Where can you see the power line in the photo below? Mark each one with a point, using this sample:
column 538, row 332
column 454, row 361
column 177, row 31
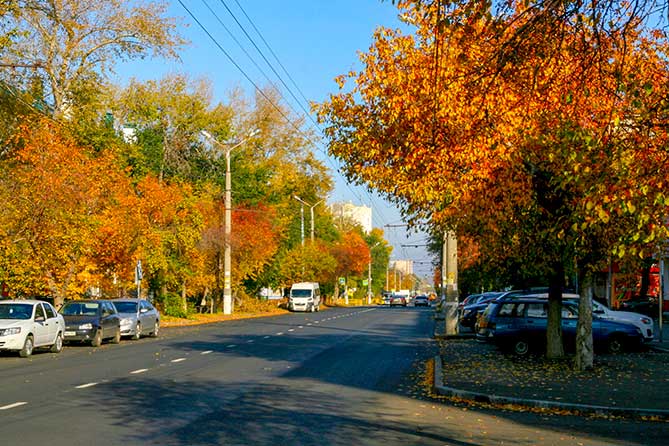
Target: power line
column 262, row 93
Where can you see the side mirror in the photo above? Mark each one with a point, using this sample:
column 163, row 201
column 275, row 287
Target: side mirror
column 143, row 310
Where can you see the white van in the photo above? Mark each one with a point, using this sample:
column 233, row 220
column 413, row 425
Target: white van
column 304, row 296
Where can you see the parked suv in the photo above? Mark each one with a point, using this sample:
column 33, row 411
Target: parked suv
column 91, row 321
column 519, row 324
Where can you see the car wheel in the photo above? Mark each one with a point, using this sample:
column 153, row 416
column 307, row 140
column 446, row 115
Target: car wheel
column 28, row 346
column 117, row 337
column 154, row 333
column 57, row 345
column 138, row 332
column 616, row 344
column 521, row 347
column 97, row 339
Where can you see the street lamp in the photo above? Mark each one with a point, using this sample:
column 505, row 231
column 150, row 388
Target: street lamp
column 227, row 256
column 311, row 211
column 369, row 274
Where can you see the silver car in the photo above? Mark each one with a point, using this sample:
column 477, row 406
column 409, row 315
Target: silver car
column 138, row 317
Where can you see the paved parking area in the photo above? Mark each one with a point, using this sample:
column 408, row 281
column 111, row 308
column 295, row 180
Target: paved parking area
column 637, row 379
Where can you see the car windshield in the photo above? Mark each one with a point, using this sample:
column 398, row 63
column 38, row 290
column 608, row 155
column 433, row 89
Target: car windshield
column 16, row 311
column 300, row 293
column 126, row 307
column 80, row 309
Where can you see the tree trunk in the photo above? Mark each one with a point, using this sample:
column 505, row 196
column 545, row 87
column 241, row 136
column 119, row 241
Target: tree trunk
column 184, row 303
column 584, row 348
column 554, row 346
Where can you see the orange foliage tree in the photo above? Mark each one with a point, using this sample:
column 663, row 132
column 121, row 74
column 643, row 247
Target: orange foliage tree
column 53, row 193
column 534, row 156
column 352, row 256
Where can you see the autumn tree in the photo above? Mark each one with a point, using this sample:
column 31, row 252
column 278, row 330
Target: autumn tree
column 53, row 193
column 71, row 45
column 352, row 256
column 514, row 153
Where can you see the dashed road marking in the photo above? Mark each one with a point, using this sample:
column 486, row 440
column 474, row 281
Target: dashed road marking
column 13, row 405
column 250, row 341
column 279, row 333
column 135, row 372
column 206, row 352
column 83, row 386
column 178, row 360
column 309, row 324
column 300, row 326
column 291, row 329
column 232, row 346
column 266, row 337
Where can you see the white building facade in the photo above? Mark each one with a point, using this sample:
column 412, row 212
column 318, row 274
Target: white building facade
column 361, row 215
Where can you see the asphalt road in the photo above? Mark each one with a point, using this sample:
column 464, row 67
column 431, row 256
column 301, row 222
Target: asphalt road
column 339, row 377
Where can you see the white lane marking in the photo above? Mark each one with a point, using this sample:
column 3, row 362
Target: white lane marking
column 11, row 406
column 279, row 333
column 266, row 337
column 315, row 322
column 232, row 346
column 250, row 341
column 83, row 386
column 135, row 372
column 291, row 329
column 206, row 352
column 300, row 326
column 178, row 360
column 309, row 324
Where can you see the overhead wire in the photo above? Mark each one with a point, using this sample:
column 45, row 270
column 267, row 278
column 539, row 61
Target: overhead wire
column 306, row 112
column 248, row 78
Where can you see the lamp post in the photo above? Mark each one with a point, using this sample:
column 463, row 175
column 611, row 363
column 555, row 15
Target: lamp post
column 302, row 203
column 227, row 255
column 369, row 274
column 311, row 212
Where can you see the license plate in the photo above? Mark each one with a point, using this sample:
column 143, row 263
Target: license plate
column 70, row 333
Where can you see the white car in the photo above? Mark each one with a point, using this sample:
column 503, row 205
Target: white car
column 643, row 322
column 29, row 324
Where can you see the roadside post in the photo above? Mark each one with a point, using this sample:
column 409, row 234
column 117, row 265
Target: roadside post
column 138, row 277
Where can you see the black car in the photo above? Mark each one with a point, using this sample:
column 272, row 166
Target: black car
column 91, row 321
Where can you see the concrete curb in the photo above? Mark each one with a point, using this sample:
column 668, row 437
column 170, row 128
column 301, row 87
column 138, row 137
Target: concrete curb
column 440, row 389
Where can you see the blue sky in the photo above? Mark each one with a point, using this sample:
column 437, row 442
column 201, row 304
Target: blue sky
column 315, row 40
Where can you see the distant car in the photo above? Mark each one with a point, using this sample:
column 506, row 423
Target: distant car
column 386, row 299
column 421, row 301
column 397, row 300
column 138, row 317
column 29, row 324
column 519, row 324
column 91, row 321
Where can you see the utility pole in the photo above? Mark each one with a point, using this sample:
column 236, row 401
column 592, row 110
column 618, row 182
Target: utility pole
column 227, row 255
column 449, row 281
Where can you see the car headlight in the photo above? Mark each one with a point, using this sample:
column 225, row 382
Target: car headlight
column 10, row 331
column 86, row 327
column 645, row 320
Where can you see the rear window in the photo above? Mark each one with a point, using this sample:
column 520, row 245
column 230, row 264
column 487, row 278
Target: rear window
column 512, row 309
column 490, row 309
column 126, row 307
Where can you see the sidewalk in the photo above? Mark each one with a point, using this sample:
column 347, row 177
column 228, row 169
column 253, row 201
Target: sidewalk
column 633, row 383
